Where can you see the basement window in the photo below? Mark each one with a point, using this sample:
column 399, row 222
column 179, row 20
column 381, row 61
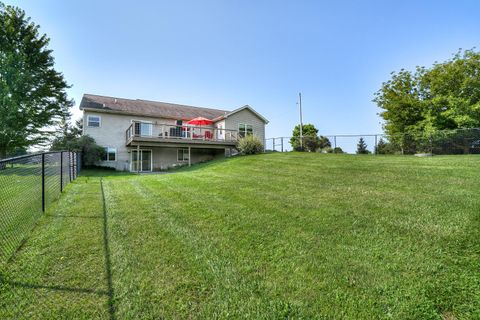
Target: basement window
column 182, row 155
column 110, row 154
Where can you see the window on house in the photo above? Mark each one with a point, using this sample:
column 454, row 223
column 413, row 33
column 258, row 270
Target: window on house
column 182, row 155
column 93, row 121
column 177, row 131
column 110, row 154
column 245, row 129
column 143, row 128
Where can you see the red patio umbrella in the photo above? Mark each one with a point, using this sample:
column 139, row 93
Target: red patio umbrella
column 200, row 121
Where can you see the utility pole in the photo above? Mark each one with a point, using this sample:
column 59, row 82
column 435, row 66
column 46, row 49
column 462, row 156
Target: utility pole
column 301, row 120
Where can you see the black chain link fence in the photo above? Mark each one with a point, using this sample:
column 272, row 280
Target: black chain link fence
column 41, row 274
column 447, row 142
column 28, row 186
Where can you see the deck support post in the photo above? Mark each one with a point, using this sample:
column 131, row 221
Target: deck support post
column 189, row 157
column 138, row 158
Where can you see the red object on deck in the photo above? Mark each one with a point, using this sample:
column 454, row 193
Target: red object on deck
column 200, row 121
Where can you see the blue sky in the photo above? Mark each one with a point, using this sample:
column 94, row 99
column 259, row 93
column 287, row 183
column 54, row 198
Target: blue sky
column 227, row 54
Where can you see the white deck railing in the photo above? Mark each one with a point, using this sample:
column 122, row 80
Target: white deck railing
column 186, row 132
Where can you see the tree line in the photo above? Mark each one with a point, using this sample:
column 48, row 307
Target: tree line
column 435, row 109
column 310, row 141
column 34, row 106
column 433, row 104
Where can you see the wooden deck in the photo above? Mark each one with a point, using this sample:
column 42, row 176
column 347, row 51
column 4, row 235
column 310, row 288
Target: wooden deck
column 178, row 142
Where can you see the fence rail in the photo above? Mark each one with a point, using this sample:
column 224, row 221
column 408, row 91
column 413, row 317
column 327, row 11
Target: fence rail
column 460, row 141
column 28, row 186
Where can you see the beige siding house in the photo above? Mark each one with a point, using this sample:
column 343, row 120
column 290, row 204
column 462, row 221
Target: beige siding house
column 143, row 136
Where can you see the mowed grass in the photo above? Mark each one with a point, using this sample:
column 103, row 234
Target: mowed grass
column 59, row 272
column 270, row 236
column 21, row 201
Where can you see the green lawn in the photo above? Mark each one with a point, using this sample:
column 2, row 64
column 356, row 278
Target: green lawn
column 21, row 201
column 271, row 236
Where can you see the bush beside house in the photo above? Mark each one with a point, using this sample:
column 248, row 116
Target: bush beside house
column 71, row 138
column 250, row 145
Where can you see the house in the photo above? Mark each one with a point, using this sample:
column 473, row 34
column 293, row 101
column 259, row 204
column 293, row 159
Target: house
column 141, row 135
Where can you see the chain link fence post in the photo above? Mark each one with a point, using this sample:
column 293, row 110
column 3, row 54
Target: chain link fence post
column 70, row 166
column 43, row 182
column 61, row 171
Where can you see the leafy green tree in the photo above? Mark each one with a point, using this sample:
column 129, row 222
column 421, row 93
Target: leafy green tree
column 310, row 140
column 311, row 143
column 456, row 142
column 70, row 138
column 17, row 152
column 324, row 142
column 32, row 93
column 338, row 150
column 90, row 151
column 417, row 104
column 333, row 150
column 362, row 147
column 67, row 136
column 384, row 147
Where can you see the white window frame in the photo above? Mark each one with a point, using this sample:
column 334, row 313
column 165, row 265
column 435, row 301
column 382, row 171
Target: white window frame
column 107, row 154
column 244, row 131
column 144, row 121
column 99, row 121
column 184, row 151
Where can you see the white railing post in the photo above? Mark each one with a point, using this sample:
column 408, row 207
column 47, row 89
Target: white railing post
column 164, row 131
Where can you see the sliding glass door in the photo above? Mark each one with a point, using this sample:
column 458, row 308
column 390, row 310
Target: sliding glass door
column 142, row 161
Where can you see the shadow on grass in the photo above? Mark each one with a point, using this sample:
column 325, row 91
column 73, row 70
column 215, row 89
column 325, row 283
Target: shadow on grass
column 99, row 172
column 103, row 173
column 108, row 264
column 56, row 288
column 5, row 279
column 74, row 216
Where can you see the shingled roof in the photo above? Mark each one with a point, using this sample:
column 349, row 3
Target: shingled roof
column 147, row 108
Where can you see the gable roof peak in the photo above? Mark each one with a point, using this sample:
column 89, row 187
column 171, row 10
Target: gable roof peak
column 251, row 110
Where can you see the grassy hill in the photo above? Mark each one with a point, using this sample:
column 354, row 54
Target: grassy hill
column 268, row 236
